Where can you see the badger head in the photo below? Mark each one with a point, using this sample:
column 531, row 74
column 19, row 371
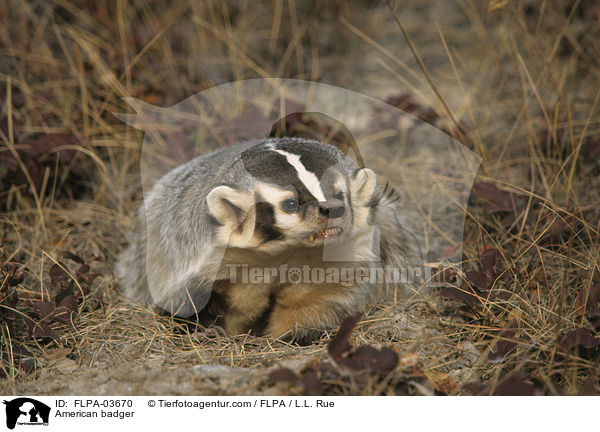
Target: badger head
column 303, row 194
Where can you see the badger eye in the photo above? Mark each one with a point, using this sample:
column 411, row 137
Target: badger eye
column 339, row 195
column 290, row 205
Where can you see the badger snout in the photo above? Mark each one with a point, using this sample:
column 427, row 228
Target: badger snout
column 332, row 209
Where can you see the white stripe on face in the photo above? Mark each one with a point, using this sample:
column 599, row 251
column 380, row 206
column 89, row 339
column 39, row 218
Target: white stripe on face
column 309, row 179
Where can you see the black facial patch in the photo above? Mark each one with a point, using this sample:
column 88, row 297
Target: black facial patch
column 265, row 221
column 265, row 164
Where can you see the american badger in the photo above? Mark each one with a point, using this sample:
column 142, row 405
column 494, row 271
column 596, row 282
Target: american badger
column 271, row 228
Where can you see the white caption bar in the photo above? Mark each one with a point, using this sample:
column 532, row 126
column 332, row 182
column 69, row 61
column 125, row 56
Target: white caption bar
column 90, row 413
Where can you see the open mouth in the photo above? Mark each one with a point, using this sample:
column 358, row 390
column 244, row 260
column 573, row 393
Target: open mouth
column 323, row 234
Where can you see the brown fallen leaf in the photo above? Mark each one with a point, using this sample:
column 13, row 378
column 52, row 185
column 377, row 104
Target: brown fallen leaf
column 590, row 150
column 82, row 271
column 17, row 277
column 283, row 375
column 340, row 342
column 479, row 279
column 587, row 300
column 506, row 344
column 66, row 308
column 578, row 337
column 369, row 358
column 310, row 382
column 40, row 330
column 516, row 384
column 57, row 275
column 466, row 295
column 488, row 262
column 494, row 199
column 73, row 257
column 44, row 308
column 588, row 388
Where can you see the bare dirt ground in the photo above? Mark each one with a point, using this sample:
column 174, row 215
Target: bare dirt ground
column 517, row 82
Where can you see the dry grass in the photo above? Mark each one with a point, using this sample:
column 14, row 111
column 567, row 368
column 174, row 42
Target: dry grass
column 524, row 77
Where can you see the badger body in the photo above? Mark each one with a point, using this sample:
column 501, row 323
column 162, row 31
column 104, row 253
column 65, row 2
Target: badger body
column 270, row 207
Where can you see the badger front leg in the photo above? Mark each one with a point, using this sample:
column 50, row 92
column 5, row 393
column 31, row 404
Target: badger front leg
column 303, row 312
column 245, row 304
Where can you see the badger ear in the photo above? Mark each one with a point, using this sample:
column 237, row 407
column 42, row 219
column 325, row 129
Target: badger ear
column 229, row 206
column 363, row 185
column 235, row 211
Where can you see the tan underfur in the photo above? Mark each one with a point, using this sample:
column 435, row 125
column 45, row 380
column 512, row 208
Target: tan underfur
column 245, row 304
column 298, row 307
column 301, row 308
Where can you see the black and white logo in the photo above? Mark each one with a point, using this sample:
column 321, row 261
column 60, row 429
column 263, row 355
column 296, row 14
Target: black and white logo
column 26, row 411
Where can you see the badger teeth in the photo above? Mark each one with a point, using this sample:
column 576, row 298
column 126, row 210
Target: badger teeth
column 328, row 232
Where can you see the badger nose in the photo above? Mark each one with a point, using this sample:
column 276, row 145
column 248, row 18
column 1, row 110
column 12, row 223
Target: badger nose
column 331, row 212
